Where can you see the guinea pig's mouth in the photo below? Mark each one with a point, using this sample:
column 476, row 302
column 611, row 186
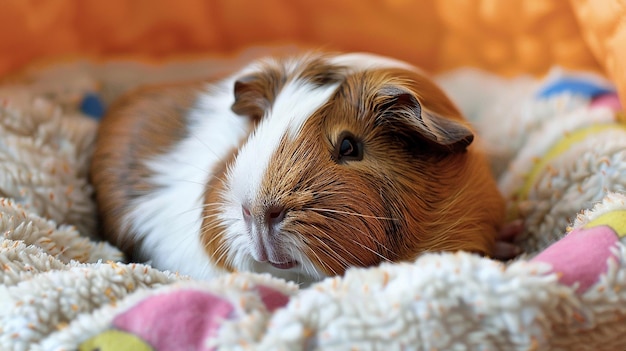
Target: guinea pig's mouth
column 284, row 265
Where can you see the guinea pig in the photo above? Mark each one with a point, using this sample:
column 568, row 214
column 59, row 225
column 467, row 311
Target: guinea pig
column 298, row 166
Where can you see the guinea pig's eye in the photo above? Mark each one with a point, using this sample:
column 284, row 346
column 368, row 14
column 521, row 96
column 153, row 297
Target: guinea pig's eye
column 348, row 148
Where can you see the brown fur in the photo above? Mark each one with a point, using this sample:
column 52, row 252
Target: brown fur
column 410, row 194
column 212, row 229
column 254, row 94
column 420, row 186
column 140, row 125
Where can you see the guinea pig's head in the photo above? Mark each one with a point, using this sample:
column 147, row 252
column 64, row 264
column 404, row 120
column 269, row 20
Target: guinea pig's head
column 353, row 160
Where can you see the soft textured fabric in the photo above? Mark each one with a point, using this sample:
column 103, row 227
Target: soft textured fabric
column 63, row 291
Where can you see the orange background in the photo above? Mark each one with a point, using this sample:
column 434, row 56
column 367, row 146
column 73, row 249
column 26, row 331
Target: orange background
column 504, row 36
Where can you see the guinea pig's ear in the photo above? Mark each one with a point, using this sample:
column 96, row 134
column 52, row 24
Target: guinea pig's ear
column 255, row 93
column 437, row 130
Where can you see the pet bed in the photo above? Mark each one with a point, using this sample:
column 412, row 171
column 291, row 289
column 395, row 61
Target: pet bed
column 64, row 289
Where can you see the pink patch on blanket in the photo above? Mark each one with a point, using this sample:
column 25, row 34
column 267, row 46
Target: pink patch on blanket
column 272, row 298
column 607, row 100
column 178, row 320
column 581, row 256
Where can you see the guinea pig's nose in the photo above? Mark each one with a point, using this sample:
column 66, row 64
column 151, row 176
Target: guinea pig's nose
column 274, row 214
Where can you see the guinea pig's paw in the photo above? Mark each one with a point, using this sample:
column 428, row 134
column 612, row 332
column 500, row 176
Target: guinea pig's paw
column 506, row 247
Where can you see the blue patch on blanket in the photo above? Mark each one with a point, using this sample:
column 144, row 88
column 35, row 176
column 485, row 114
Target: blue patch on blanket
column 581, row 86
column 92, row 105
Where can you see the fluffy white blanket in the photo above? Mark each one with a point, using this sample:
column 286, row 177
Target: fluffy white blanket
column 62, row 289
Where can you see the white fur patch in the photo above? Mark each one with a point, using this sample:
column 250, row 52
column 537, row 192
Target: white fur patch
column 172, row 215
column 357, row 62
column 295, row 103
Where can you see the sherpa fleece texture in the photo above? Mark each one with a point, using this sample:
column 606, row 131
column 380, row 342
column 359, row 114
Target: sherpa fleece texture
column 63, row 289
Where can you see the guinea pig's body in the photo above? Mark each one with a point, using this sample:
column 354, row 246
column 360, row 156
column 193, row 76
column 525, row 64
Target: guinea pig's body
column 300, row 167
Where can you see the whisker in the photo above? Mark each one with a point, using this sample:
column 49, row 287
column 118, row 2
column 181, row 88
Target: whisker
column 364, row 233
column 192, row 210
column 223, row 249
column 352, row 214
column 370, row 250
column 324, row 265
column 188, row 181
column 344, row 261
column 333, row 254
column 210, row 216
column 201, row 207
column 370, row 236
column 209, row 228
column 195, row 135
